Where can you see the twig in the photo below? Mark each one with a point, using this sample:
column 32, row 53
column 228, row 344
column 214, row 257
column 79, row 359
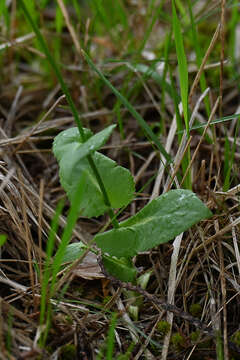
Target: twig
column 205, row 329
column 154, row 299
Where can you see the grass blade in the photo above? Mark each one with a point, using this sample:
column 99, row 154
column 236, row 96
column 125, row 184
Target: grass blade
column 72, row 106
column 111, row 336
column 214, row 122
column 196, row 44
column 183, row 76
column 54, row 66
column 130, row 108
column 45, row 305
column 3, row 239
column 71, row 221
column 182, row 63
column 52, row 270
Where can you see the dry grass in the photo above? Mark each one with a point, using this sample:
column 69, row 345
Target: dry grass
column 194, row 282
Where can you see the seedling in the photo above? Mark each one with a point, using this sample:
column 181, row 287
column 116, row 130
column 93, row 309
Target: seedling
column 158, row 222
column 107, row 186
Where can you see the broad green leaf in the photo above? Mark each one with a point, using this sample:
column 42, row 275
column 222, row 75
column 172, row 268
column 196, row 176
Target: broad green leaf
column 71, row 154
column 158, row 222
column 73, row 252
column 68, row 147
column 117, row 180
column 123, row 269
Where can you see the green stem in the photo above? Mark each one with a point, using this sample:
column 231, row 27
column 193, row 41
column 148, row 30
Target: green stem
column 72, row 106
column 102, row 187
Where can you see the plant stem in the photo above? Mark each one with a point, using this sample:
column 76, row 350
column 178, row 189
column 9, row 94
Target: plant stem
column 102, row 187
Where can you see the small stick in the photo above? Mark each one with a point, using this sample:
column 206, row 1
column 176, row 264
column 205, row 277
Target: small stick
column 207, row 330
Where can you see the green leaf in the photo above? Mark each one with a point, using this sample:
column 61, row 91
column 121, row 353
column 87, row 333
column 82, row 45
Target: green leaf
column 67, row 146
column 143, row 280
column 73, row 252
column 71, row 154
column 117, row 180
column 123, row 269
column 158, row 222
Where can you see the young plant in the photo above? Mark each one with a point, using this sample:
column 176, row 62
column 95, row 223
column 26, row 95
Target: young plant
column 109, row 186
column 158, row 222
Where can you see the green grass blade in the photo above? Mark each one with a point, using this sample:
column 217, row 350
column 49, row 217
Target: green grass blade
column 77, row 8
column 111, row 337
column 233, row 21
column 183, row 77
column 176, row 107
column 71, row 104
column 43, row 3
column 5, row 13
column 31, row 8
column 167, row 45
column 3, row 239
column 52, row 270
column 219, row 346
column 45, row 304
column 180, row 7
column 229, row 159
column 101, row 12
column 54, row 66
column 66, row 237
column 151, row 72
column 156, row 13
column 47, row 268
column 59, row 26
column 195, row 41
column 182, row 63
column 217, row 121
column 130, row 108
column 227, row 164
column 107, row 14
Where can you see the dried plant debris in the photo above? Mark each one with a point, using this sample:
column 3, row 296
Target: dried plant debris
column 184, row 300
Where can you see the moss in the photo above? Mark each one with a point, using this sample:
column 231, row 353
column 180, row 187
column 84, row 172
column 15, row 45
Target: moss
column 163, row 327
column 68, row 352
column 106, row 299
column 49, row 349
column 236, row 338
column 194, row 336
column 78, row 291
column 177, row 340
column 155, row 350
column 207, row 344
column 69, row 319
column 196, row 310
